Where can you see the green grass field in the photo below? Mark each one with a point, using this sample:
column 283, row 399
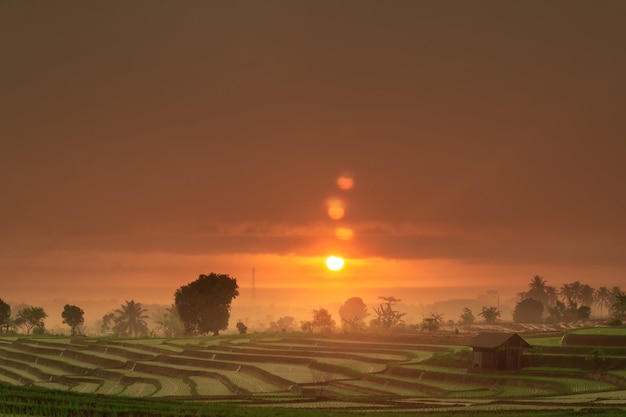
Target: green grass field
column 608, row 331
column 196, row 376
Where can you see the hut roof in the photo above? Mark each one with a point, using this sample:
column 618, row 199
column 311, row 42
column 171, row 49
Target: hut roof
column 491, row 340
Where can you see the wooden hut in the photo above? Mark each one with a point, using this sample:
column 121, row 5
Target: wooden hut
column 499, row 351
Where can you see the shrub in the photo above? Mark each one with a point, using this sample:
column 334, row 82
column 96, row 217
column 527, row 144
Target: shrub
column 615, row 322
column 596, row 359
column 241, row 327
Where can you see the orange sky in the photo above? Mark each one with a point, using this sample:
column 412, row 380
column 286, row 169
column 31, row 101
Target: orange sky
column 143, row 144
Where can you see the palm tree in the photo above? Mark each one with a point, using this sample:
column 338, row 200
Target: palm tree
column 586, row 295
column 537, row 284
column 170, row 324
column 537, row 289
column 432, row 323
column 569, row 295
column 490, row 314
column 615, row 292
column 578, row 294
column 552, row 296
column 602, row 297
column 618, row 305
column 130, row 320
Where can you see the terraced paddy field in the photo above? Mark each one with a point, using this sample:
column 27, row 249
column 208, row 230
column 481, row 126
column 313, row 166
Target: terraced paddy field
column 292, row 373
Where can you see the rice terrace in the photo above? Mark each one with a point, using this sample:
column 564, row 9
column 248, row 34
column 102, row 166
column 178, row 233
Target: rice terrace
column 580, row 371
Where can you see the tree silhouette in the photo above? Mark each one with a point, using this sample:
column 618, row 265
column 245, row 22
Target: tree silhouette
column 31, row 318
column 107, row 323
column 11, row 325
column 322, row 321
column 528, row 311
column 241, row 327
column 490, row 314
column 432, row 323
column 602, row 297
column 170, row 324
column 5, row 315
column 467, row 318
column 586, row 295
column 568, row 294
column 130, row 320
column 615, row 294
column 386, row 316
column 575, row 294
column 283, row 324
column 306, row 326
column 558, row 312
column 553, row 296
column 73, row 316
column 618, row 307
column 540, row 290
column 353, row 313
column 204, row 304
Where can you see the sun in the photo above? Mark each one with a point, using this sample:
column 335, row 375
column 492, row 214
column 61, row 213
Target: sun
column 334, row 263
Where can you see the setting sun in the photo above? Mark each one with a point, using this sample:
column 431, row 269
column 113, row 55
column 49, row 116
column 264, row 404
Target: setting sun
column 334, row 263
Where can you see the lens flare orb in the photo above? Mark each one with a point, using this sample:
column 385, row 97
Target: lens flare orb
column 344, row 233
column 345, row 182
column 336, row 208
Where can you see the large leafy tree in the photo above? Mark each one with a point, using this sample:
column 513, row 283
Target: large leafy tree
column 353, row 313
column 528, row 310
column 5, row 315
column 204, row 304
column 130, row 320
column 107, row 323
column 74, row 317
column 31, row 318
column 322, row 321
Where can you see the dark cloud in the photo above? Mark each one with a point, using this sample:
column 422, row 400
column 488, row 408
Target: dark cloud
column 480, row 132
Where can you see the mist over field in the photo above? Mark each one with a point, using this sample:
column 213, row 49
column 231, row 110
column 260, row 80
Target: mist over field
column 259, row 307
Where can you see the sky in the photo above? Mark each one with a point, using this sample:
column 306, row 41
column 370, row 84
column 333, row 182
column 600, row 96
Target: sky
column 144, row 143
